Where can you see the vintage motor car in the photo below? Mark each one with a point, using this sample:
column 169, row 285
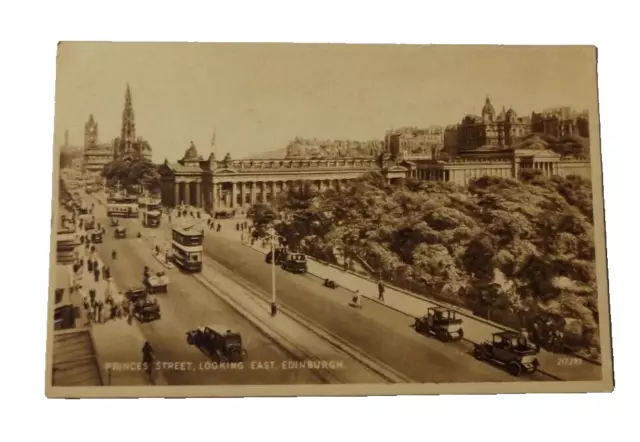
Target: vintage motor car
column 440, row 322
column 511, row 350
column 96, row 237
column 330, row 283
column 156, row 283
column 88, row 221
column 120, row 232
column 135, row 294
column 280, row 254
column 295, row 263
column 146, row 310
column 218, row 341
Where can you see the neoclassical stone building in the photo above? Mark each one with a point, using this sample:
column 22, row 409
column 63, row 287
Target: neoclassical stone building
column 237, row 184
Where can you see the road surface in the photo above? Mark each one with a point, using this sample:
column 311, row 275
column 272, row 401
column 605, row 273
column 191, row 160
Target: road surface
column 187, row 305
column 382, row 333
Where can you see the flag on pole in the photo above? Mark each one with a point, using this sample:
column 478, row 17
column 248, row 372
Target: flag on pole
column 213, row 142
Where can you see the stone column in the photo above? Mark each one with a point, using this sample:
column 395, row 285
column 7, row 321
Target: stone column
column 217, row 196
column 253, row 192
column 198, row 195
column 234, row 195
column 187, row 193
column 242, row 193
column 176, row 194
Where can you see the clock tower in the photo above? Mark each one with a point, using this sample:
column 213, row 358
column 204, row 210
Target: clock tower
column 90, row 133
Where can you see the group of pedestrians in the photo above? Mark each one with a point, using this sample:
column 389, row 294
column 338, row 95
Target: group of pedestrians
column 212, row 224
column 99, row 310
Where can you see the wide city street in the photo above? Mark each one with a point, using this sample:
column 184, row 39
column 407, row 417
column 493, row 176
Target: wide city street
column 381, row 332
column 187, row 305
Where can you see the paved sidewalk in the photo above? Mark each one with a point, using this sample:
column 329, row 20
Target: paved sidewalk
column 476, row 330
column 117, row 343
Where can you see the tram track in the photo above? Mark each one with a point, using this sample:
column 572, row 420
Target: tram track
column 379, row 369
column 382, row 370
column 297, row 351
column 289, row 346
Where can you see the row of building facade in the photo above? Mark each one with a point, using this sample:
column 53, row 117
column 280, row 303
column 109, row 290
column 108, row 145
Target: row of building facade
column 223, row 185
column 496, row 144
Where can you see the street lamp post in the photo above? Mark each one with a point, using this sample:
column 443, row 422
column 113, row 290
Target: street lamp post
column 146, row 207
column 274, row 306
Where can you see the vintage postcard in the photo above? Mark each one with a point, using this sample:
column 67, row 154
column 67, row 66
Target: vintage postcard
column 298, row 219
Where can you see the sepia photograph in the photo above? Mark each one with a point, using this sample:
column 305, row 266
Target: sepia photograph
column 326, row 219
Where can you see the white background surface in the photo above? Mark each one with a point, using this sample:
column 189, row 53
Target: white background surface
column 30, row 31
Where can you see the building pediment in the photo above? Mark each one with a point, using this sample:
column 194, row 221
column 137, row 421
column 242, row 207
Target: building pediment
column 538, row 153
column 225, row 171
column 395, row 168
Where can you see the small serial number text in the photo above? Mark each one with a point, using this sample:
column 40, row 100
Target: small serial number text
column 569, row 361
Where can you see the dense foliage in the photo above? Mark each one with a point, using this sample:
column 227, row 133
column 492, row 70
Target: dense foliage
column 130, row 173
column 518, row 252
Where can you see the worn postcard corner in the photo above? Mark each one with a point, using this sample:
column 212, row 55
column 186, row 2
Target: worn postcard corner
column 290, row 219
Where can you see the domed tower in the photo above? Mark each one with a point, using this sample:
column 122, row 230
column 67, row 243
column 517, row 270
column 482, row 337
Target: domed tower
column 488, row 112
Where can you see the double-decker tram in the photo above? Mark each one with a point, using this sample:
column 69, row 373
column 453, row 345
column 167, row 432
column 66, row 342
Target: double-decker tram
column 186, row 248
column 151, row 218
column 150, row 202
column 122, row 209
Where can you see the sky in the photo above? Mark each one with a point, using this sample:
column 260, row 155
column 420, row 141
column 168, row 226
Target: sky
column 258, row 97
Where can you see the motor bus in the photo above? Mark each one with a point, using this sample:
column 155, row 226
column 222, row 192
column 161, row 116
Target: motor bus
column 186, row 248
column 122, row 210
column 151, row 218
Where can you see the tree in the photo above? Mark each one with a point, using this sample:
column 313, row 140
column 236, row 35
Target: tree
column 510, row 248
column 131, row 173
column 263, row 217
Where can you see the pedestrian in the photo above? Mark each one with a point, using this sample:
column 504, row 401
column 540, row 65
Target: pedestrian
column 356, row 299
column 114, row 310
column 219, row 227
column 95, row 311
column 100, row 308
column 96, row 275
column 92, row 296
column 130, row 314
column 380, row 290
column 86, row 304
column 107, row 273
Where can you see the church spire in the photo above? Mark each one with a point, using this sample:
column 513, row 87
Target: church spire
column 128, row 132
